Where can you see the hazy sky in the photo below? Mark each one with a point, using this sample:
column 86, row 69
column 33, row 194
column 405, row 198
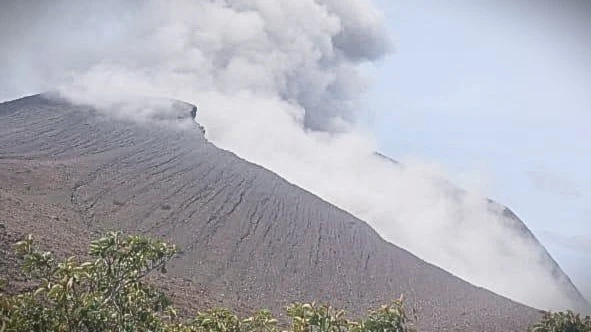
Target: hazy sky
column 500, row 95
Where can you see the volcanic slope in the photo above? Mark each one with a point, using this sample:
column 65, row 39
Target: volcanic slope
column 248, row 236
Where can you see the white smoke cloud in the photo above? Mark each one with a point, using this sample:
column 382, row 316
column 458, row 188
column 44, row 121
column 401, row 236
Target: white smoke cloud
column 277, row 83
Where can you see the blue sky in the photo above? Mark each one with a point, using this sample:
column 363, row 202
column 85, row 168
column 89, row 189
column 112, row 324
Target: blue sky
column 500, row 95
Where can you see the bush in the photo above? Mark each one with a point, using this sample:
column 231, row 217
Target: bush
column 109, row 293
column 563, row 322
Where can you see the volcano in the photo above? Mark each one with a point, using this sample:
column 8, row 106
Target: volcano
column 247, row 237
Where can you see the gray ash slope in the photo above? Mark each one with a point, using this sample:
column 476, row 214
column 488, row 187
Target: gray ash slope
column 245, row 233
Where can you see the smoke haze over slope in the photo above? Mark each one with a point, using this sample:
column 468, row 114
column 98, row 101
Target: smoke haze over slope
column 277, row 83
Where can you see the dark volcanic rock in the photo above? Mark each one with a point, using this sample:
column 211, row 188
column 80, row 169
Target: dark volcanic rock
column 246, row 234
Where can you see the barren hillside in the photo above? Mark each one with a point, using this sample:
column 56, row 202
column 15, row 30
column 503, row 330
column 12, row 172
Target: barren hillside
column 247, row 237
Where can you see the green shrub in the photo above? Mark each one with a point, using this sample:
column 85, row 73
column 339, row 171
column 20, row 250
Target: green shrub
column 109, row 293
column 562, row 322
column 317, row 318
column 388, row 318
column 105, row 294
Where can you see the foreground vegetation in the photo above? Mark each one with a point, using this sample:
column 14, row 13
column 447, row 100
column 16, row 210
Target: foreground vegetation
column 109, row 293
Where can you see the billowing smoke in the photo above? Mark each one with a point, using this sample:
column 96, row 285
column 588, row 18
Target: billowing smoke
column 303, row 52
column 277, row 82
